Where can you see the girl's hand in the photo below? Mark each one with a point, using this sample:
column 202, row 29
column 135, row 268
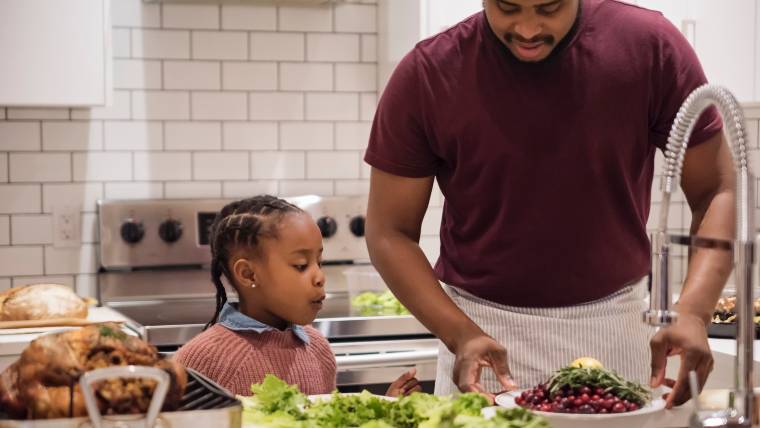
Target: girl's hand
column 405, row 384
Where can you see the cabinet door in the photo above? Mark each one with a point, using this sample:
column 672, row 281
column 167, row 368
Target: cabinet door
column 54, row 53
column 724, row 38
column 677, row 11
column 438, row 15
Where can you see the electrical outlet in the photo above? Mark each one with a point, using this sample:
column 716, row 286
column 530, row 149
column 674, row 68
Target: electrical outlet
column 67, row 227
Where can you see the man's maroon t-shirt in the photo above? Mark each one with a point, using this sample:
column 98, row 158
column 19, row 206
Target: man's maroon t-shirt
column 546, row 168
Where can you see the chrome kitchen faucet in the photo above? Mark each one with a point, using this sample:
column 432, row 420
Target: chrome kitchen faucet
column 660, row 314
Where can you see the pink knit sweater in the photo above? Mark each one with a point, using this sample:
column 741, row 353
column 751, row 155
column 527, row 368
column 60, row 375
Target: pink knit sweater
column 237, row 360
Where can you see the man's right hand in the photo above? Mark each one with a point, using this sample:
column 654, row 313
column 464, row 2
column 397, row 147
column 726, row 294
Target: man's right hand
column 475, row 353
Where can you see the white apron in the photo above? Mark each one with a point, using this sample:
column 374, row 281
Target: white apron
column 541, row 340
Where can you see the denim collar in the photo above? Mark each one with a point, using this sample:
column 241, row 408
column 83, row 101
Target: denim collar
column 239, row 322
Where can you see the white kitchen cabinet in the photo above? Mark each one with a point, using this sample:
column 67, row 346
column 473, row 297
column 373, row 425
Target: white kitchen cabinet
column 725, row 36
column 55, row 53
column 438, row 15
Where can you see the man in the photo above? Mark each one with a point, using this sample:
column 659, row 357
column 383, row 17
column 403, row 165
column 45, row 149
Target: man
column 540, row 120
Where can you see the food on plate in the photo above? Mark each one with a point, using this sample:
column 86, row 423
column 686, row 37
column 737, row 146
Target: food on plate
column 277, row 404
column 585, row 389
column 41, row 302
column 371, row 303
column 43, row 382
column 725, row 310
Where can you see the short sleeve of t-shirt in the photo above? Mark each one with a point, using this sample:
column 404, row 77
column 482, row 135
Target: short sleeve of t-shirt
column 678, row 74
column 399, row 143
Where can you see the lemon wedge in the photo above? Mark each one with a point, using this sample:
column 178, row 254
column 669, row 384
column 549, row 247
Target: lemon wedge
column 586, row 363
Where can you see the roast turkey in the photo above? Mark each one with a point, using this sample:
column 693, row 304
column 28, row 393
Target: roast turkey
column 43, row 383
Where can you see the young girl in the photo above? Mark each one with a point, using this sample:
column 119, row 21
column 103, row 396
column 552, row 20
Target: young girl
column 270, row 251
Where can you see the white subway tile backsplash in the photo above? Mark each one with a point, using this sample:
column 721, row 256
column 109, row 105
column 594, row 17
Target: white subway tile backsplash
column 306, row 136
column 5, row 283
column 277, row 165
column 192, row 75
column 160, row 44
column 158, row 105
column 38, row 113
column 220, row 166
column 246, row 189
column 276, row 106
column 21, row 261
column 133, row 135
column 39, row 167
column 355, row 18
column 21, row 136
column 277, row 46
column 351, row 187
column 83, row 195
column 332, row 47
column 431, row 224
column 249, row 76
column 306, row 77
column 194, row 16
column 219, row 106
column 103, row 166
column 89, row 226
column 2, row 113
column 4, row 168
column 332, row 106
column 72, row 136
column 220, row 45
column 136, row 74
column 19, row 199
column 192, row 190
column 335, row 165
column 193, row 136
column 134, row 190
column 61, row 261
column 306, row 187
column 249, row 17
column 87, row 285
column 369, row 48
column 753, row 131
column 119, row 109
column 162, row 166
column 121, row 42
column 135, row 13
column 367, row 106
column 32, row 229
column 356, row 77
column 352, row 135
column 365, row 169
column 316, row 18
column 5, row 230
column 250, row 136
column 67, row 280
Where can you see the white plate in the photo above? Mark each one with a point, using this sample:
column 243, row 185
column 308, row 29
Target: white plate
column 636, row 419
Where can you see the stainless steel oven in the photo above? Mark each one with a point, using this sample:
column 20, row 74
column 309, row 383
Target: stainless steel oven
column 154, row 269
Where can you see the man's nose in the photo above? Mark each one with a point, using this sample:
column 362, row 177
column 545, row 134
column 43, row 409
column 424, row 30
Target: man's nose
column 528, row 28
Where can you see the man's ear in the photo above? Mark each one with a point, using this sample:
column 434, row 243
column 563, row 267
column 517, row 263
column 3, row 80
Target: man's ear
column 244, row 274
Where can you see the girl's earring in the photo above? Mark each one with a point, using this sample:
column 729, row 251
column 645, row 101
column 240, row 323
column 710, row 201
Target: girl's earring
column 253, row 284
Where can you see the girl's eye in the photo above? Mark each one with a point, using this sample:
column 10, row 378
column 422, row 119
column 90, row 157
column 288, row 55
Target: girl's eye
column 301, row 268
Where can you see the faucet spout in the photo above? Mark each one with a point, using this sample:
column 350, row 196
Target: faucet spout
column 660, row 313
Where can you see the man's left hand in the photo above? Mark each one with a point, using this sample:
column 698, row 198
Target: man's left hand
column 687, row 338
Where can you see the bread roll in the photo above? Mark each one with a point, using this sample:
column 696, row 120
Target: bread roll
column 40, row 302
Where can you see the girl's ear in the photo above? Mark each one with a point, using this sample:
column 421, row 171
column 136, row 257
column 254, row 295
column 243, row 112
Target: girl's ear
column 244, row 274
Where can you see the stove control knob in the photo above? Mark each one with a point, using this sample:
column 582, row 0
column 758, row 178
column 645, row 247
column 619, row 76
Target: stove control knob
column 132, row 231
column 357, row 226
column 327, row 226
column 170, row 230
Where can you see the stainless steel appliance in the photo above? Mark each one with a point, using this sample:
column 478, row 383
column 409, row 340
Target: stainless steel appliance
column 154, row 269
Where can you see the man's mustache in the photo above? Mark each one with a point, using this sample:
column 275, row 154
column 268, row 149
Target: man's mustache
column 510, row 37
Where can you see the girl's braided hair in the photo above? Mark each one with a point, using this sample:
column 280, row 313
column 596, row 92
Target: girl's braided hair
column 241, row 223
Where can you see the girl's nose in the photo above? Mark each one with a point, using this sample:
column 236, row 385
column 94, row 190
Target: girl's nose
column 319, row 278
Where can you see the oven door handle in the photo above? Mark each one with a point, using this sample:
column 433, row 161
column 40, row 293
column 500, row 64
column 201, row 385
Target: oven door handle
column 386, row 359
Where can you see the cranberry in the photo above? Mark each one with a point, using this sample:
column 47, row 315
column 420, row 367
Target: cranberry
column 596, row 397
column 524, row 395
column 599, row 391
column 585, row 390
column 608, row 395
column 578, row 402
column 585, row 398
column 618, row 408
column 632, row 407
column 586, row 409
column 608, row 403
column 603, row 411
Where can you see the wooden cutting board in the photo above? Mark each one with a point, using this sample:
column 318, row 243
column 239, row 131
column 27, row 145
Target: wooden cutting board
column 95, row 315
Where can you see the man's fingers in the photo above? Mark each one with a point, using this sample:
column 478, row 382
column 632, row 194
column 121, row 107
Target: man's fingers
column 659, row 360
column 469, row 375
column 691, row 360
column 498, row 363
